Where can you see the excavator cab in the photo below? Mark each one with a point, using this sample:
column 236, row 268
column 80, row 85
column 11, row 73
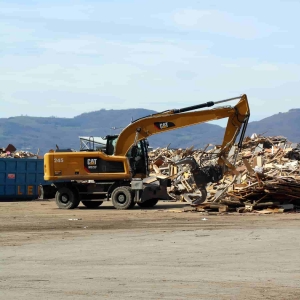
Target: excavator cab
column 137, row 155
column 110, row 144
column 138, row 158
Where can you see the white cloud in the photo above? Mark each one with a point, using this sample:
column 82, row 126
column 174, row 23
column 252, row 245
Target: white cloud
column 75, row 75
column 230, row 65
column 265, row 67
column 139, row 54
column 69, row 12
column 285, row 46
column 219, row 22
column 122, row 75
column 81, row 46
column 10, row 34
column 192, row 17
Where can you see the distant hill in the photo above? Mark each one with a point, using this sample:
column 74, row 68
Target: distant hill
column 285, row 124
column 31, row 133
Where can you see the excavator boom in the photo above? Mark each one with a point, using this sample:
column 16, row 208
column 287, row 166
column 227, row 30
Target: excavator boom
column 179, row 118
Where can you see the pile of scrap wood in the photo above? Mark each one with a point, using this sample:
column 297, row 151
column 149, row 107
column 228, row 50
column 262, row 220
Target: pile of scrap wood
column 162, row 164
column 267, row 175
column 11, row 152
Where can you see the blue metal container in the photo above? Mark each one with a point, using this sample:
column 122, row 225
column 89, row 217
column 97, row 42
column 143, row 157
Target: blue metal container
column 20, row 178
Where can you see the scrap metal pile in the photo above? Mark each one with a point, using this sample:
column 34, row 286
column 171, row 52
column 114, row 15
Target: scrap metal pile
column 11, row 152
column 267, row 175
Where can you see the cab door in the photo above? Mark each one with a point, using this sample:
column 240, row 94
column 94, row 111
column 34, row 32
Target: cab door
column 138, row 158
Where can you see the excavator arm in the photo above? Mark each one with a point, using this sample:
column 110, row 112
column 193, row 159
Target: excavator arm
column 237, row 115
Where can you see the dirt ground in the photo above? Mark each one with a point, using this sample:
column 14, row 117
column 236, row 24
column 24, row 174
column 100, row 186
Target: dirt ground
column 159, row 253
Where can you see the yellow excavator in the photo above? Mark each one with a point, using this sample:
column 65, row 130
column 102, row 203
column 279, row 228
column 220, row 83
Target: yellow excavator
column 120, row 172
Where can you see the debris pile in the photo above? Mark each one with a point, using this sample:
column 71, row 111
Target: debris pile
column 162, row 163
column 11, row 152
column 267, row 175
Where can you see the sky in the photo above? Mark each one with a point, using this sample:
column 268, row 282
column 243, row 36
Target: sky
column 64, row 58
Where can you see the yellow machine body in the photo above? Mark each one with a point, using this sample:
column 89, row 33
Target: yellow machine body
column 97, row 165
column 83, row 166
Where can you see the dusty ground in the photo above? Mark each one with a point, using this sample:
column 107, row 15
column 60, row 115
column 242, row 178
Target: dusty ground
column 145, row 254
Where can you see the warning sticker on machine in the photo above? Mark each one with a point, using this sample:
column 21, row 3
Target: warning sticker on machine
column 11, row 176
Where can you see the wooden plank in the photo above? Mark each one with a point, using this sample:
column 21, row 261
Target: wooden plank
column 246, row 163
column 156, row 169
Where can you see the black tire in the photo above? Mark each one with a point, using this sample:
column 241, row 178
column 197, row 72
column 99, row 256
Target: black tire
column 148, row 203
column 91, row 204
column 46, row 192
column 132, row 205
column 67, row 198
column 122, row 197
column 132, row 195
column 41, row 192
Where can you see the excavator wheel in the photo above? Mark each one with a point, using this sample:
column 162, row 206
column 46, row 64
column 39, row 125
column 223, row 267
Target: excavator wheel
column 67, row 198
column 132, row 205
column 148, row 203
column 122, row 198
column 92, row 204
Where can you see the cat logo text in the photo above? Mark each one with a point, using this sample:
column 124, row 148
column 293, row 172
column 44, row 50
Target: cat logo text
column 163, row 125
column 92, row 162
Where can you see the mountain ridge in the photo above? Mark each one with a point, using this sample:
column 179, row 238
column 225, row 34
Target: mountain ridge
column 33, row 133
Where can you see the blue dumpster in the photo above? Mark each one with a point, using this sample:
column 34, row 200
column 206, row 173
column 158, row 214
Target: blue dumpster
column 20, row 178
